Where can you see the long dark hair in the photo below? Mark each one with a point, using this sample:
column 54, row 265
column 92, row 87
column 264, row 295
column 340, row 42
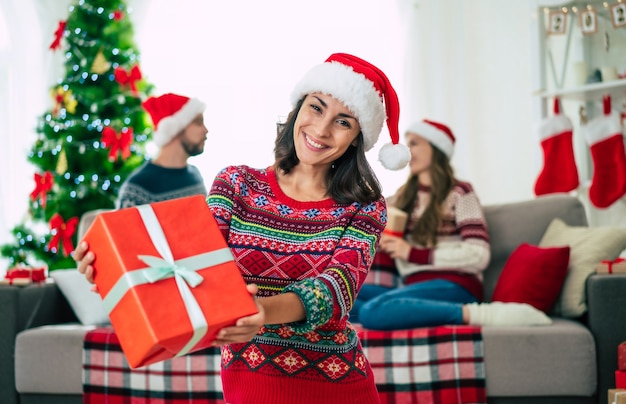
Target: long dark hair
column 425, row 231
column 350, row 180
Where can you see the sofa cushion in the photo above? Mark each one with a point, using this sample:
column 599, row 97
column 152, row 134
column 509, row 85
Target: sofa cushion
column 588, row 246
column 87, row 305
column 557, row 360
column 48, row 359
column 533, row 275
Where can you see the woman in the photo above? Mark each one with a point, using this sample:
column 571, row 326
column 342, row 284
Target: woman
column 442, row 253
column 303, row 233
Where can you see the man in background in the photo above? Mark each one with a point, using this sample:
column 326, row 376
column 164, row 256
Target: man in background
column 180, row 133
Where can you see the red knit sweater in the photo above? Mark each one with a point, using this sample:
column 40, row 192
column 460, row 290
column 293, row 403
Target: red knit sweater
column 319, row 250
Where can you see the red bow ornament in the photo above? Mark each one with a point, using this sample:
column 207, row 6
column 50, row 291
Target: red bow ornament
column 58, row 35
column 128, row 78
column 43, row 184
column 117, row 142
column 62, row 232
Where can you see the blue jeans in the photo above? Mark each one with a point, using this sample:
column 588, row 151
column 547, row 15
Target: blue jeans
column 423, row 304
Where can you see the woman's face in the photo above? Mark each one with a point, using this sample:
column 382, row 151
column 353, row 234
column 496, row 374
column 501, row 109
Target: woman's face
column 421, row 153
column 323, row 130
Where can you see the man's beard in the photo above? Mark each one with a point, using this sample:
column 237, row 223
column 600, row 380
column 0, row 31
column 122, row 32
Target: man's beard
column 193, row 149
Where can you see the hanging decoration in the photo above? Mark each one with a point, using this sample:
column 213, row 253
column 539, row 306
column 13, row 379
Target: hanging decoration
column 58, row 35
column 62, row 233
column 64, row 99
column 604, row 136
column 43, row 184
column 128, row 78
column 117, row 142
column 61, row 167
column 100, row 64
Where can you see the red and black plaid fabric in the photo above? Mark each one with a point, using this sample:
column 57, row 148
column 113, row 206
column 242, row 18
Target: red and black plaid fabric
column 107, row 378
column 438, row 365
column 434, row 365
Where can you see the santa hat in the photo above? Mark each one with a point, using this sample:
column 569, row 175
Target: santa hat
column 367, row 92
column 171, row 113
column 438, row 134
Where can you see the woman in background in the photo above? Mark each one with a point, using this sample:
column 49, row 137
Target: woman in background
column 440, row 254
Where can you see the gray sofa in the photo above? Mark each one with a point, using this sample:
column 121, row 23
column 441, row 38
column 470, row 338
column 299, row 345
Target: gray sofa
column 569, row 361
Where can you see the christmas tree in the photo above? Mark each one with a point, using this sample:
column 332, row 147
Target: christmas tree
column 92, row 137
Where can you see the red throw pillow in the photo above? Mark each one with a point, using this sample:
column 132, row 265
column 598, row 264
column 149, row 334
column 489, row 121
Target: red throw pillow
column 533, row 275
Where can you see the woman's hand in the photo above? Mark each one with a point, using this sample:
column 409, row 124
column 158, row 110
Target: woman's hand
column 246, row 327
column 84, row 260
column 396, row 247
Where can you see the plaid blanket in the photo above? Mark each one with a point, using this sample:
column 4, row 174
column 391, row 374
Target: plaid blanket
column 435, row 365
column 438, row 365
column 107, row 378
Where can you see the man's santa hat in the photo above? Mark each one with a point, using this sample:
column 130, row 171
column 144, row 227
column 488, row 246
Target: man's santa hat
column 367, row 93
column 170, row 114
column 438, row 134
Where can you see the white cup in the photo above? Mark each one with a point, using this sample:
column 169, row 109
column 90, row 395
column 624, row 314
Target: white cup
column 608, row 73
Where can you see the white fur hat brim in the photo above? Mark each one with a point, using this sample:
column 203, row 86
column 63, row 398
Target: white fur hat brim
column 172, row 125
column 434, row 135
column 353, row 89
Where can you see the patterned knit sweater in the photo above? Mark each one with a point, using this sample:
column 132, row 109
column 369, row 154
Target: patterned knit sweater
column 319, row 250
column 152, row 183
column 462, row 251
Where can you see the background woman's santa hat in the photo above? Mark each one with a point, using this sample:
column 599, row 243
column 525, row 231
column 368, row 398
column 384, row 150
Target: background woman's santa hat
column 438, row 134
column 170, row 114
column 367, row 92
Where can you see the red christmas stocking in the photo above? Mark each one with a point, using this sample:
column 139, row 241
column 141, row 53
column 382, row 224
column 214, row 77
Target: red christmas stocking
column 606, row 142
column 559, row 173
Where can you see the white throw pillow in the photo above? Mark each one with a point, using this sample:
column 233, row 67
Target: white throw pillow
column 87, row 305
column 588, row 246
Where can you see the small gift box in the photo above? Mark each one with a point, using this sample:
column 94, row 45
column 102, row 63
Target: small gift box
column 621, row 356
column 620, row 379
column 396, row 221
column 615, row 266
column 617, row 396
column 167, row 278
column 24, row 276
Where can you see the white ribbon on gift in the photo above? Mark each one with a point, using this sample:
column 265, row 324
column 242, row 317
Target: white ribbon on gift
column 164, row 267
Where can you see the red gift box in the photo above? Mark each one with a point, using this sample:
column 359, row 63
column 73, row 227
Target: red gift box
column 167, row 278
column 24, row 276
column 615, row 266
column 620, row 379
column 621, row 356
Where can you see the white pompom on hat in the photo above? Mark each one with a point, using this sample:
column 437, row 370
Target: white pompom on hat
column 438, row 134
column 170, row 114
column 367, row 93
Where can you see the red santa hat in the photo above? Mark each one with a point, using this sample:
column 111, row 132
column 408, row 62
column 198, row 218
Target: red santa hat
column 170, row 114
column 367, row 92
column 438, row 134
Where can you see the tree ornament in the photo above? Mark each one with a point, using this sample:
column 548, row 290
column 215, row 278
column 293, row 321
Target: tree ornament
column 93, row 108
column 100, row 65
column 61, row 167
column 118, row 15
column 117, row 142
column 63, row 99
column 62, row 232
column 58, row 34
column 43, row 184
column 128, row 78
